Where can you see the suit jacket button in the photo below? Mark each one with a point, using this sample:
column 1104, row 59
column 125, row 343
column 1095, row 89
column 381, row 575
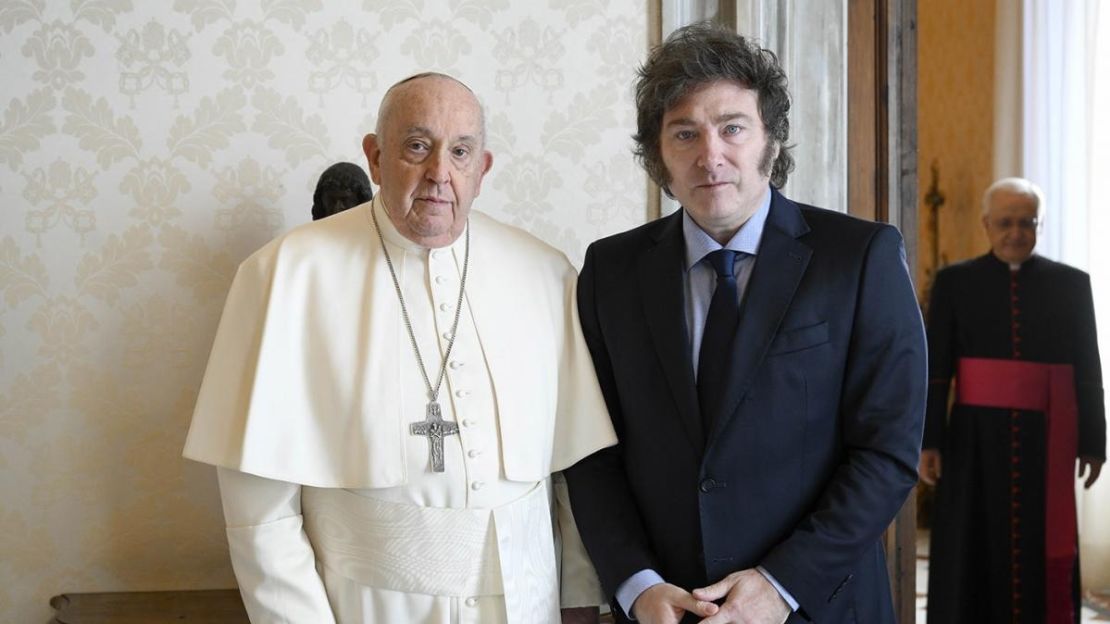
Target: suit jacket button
column 707, row 485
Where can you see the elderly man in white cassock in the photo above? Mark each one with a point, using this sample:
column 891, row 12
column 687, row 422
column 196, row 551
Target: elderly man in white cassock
column 390, row 392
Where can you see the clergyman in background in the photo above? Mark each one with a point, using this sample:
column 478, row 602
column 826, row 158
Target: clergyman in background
column 1016, row 332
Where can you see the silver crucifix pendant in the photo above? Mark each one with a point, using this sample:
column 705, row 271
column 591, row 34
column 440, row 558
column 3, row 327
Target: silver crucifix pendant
column 434, row 428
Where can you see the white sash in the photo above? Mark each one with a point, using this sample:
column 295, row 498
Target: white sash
column 508, row 550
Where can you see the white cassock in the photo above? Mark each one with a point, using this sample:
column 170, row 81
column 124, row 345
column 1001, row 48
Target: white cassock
column 333, row 511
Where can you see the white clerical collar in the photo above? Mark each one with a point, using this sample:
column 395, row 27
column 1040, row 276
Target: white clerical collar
column 393, row 236
column 1016, row 266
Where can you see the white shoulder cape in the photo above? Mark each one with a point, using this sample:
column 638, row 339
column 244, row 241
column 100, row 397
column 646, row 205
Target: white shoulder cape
column 300, row 387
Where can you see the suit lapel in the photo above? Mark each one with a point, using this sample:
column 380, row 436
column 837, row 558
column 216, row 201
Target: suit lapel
column 661, row 283
column 779, row 267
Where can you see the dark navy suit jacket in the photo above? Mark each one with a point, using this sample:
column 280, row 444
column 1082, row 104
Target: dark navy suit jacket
column 817, row 445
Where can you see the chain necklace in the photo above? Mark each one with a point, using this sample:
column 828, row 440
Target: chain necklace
column 433, row 426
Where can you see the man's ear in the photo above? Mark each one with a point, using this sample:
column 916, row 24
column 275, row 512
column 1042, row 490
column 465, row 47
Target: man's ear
column 372, row 148
column 487, row 161
column 487, row 164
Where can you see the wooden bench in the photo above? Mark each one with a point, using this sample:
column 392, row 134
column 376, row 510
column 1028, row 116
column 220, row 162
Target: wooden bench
column 216, row 606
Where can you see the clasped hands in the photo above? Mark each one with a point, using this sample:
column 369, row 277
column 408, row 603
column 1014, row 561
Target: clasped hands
column 749, row 599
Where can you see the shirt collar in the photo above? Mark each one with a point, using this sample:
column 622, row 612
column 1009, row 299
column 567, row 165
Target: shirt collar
column 699, row 244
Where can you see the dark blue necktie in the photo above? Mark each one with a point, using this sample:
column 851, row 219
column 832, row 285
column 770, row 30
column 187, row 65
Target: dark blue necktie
column 716, row 341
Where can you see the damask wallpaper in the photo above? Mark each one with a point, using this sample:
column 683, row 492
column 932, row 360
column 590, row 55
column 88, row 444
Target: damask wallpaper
column 146, row 148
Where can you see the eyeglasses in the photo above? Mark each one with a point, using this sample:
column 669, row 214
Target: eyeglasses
column 1007, row 223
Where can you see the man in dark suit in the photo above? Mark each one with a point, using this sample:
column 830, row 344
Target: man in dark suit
column 763, row 362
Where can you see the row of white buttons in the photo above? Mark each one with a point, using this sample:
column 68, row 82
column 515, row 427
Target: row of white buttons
column 467, row 422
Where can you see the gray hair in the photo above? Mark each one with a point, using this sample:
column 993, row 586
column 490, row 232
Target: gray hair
column 1017, row 186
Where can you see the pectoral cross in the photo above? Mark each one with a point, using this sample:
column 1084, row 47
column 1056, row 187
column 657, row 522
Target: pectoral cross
column 434, row 428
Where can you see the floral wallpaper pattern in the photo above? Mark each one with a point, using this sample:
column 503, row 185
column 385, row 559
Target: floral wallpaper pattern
column 146, row 148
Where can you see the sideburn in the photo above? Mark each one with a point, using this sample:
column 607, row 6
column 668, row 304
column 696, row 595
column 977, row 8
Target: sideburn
column 767, row 158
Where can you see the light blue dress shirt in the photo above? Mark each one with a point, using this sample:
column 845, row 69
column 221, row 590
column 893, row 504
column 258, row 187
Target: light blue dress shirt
column 700, row 280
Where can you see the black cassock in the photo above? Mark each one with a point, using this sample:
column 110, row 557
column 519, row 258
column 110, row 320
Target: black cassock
column 987, row 552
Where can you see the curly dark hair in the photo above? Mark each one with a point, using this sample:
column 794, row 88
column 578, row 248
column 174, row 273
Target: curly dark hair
column 694, row 56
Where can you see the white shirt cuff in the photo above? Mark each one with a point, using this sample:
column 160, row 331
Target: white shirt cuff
column 779, row 588
column 635, row 585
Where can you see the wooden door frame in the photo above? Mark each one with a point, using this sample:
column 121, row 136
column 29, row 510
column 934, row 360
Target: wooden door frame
column 882, row 186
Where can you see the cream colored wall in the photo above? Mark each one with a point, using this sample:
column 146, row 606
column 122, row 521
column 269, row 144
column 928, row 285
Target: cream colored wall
column 955, row 104
column 147, row 147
